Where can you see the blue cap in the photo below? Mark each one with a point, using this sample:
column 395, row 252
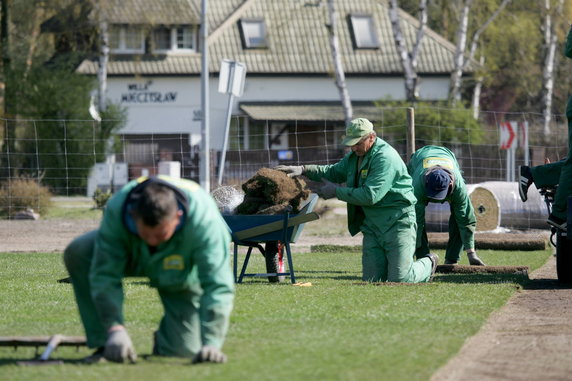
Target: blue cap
column 437, row 182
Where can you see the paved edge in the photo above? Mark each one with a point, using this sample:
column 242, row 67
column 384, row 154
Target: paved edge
column 529, row 338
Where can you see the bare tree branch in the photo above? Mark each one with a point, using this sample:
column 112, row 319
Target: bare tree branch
column 408, row 60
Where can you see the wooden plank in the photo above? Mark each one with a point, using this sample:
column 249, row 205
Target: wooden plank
column 35, row 341
column 274, row 226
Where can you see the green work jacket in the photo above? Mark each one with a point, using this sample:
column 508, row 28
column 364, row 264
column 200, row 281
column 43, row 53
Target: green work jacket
column 377, row 193
column 195, row 258
column 461, row 207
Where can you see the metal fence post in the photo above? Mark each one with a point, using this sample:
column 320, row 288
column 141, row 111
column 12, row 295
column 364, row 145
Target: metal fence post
column 410, row 132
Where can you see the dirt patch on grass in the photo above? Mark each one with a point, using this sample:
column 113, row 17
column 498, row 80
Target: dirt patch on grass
column 41, row 235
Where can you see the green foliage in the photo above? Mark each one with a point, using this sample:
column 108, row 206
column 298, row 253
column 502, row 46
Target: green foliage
column 433, row 123
column 323, row 328
column 513, row 48
column 24, row 193
column 71, row 141
column 100, row 198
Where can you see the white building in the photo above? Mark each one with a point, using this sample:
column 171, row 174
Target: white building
column 155, row 65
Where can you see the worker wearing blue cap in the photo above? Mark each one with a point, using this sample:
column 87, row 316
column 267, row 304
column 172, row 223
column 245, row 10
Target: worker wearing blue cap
column 380, row 204
column 437, row 178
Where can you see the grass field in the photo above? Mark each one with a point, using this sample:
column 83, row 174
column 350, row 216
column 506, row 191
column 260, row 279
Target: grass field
column 337, row 329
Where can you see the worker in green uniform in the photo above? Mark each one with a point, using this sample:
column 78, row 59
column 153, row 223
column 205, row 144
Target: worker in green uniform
column 437, row 178
column 380, row 204
column 552, row 174
column 170, row 231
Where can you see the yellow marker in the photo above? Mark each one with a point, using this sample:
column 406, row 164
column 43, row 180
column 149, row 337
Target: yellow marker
column 433, row 161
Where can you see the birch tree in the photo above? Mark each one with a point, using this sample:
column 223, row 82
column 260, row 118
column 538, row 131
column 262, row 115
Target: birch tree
column 103, row 55
column 408, row 59
column 477, row 91
column 462, row 58
column 550, row 42
column 8, row 134
column 338, row 66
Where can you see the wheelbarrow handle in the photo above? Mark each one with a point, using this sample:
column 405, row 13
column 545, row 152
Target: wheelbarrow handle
column 274, row 226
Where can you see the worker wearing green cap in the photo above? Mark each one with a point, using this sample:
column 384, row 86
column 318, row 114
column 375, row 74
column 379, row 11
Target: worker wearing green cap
column 437, row 178
column 380, row 204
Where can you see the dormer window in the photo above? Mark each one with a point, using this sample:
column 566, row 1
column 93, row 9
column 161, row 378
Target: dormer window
column 181, row 38
column 128, row 39
column 364, row 32
column 253, row 33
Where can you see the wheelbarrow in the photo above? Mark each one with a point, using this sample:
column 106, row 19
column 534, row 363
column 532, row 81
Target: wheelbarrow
column 276, row 231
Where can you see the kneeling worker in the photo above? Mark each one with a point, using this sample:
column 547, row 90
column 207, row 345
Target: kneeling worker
column 437, row 178
column 380, row 204
column 170, row 231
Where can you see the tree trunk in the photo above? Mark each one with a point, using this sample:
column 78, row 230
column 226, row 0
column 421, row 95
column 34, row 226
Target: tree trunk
column 477, row 92
column 9, row 132
column 338, row 66
column 408, row 60
column 459, row 58
column 550, row 41
column 461, row 62
column 103, row 60
column 36, row 28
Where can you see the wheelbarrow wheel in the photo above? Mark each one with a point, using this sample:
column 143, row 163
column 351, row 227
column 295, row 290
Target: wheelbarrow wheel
column 274, row 261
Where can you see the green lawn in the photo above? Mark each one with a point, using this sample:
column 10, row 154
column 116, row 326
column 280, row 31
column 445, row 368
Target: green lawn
column 337, row 329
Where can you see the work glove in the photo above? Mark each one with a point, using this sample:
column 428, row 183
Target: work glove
column 291, row 170
column 328, row 190
column 474, row 260
column 209, row 354
column 119, row 347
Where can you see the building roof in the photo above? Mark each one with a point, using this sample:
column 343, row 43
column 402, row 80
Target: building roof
column 297, row 36
column 307, row 111
column 151, row 12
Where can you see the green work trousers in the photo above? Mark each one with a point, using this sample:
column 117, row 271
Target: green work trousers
column 454, row 245
column 559, row 173
column 388, row 255
column 179, row 330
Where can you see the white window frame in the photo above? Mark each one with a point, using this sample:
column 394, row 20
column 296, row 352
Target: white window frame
column 364, row 31
column 174, row 43
column 253, row 33
column 121, row 31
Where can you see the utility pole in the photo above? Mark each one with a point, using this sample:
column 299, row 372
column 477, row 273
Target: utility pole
column 204, row 170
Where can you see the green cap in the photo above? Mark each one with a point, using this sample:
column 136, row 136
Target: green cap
column 357, row 129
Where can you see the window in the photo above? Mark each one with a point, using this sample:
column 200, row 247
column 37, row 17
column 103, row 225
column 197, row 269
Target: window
column 185, row 38
column 126, row 39
column 253, row 33
column 180, row 38
column 363, row 31
column 162, row 38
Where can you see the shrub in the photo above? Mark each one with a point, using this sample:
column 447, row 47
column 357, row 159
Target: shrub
column 435, row 122
column 100, row 197
column 24, row 193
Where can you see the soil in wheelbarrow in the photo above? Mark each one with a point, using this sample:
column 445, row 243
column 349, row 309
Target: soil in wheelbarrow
column 272, row 192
